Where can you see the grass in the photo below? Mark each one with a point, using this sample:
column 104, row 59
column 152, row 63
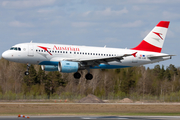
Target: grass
column 89, row 109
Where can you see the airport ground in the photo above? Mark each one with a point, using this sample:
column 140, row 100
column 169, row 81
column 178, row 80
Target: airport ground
column 88, row 109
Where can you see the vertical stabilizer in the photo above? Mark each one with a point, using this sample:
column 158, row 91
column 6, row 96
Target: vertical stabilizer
column 153, row 42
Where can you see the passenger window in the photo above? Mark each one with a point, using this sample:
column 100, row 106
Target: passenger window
column 63, row 51
column 74, row 52
column 77, row 52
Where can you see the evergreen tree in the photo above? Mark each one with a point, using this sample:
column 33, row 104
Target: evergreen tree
column 41, row 76
column 53, row 81
column 128, row 80
column 167, row 74
column 161, row 73
column 31, row 79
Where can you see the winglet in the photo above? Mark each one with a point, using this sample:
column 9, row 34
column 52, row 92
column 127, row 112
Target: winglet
column 134, row 54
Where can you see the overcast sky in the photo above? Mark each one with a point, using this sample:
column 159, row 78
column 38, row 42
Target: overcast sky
column 114, row 23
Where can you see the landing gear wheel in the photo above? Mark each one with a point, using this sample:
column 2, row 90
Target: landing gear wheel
column 26, row 73
column 89, row 76
column 77, row 75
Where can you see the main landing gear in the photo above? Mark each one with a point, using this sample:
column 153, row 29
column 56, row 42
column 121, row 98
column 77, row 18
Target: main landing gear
column 27, row 70
column 88, row 76
column 77, row 75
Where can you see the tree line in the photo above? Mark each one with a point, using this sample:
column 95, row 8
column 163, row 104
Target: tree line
column 137, row 81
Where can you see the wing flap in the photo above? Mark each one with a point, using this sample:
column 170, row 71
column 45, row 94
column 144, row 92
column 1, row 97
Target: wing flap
column 97, row 61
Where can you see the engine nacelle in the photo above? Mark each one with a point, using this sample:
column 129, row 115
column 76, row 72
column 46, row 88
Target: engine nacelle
column 68, row 66
column 49, row 68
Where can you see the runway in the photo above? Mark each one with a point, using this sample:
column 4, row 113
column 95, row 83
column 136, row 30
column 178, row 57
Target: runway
column 94, row 118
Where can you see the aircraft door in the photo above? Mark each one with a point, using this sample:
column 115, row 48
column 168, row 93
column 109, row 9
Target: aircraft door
column 30, row 50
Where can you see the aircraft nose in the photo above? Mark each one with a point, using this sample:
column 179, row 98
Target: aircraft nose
column 5, row 55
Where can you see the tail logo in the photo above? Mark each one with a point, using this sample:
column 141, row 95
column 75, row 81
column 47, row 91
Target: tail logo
column 158, row 34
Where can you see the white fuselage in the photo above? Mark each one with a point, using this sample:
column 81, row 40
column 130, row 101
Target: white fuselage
column 33, row 53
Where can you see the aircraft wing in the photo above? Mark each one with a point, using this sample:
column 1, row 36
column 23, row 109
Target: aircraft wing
column 97, row 61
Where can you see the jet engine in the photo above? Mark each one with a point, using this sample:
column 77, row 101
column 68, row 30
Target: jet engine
column 49, row 68
column 68, row 66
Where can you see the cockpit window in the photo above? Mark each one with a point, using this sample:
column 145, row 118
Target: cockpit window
column 12, row 48
column 15, row 48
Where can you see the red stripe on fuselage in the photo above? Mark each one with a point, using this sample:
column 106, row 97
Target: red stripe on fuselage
column 145, row 46
column 45, row 48
column 164, row 24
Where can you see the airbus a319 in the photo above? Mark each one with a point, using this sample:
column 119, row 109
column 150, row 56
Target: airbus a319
column 72, row 58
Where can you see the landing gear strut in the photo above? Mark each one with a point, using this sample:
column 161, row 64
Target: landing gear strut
column 27, row 70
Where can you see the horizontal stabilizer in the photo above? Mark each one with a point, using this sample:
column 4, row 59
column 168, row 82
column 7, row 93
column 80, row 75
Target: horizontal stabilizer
column 161, row 56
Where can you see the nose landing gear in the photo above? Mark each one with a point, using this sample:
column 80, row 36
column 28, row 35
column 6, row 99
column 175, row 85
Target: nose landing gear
column 27, row 70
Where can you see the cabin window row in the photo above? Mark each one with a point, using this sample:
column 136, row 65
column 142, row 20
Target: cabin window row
column 82, row 53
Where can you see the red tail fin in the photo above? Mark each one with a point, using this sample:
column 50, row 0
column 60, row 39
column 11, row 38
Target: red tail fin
column 153, row 42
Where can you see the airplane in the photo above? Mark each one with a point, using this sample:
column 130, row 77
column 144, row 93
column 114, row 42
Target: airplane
column 73, row 58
